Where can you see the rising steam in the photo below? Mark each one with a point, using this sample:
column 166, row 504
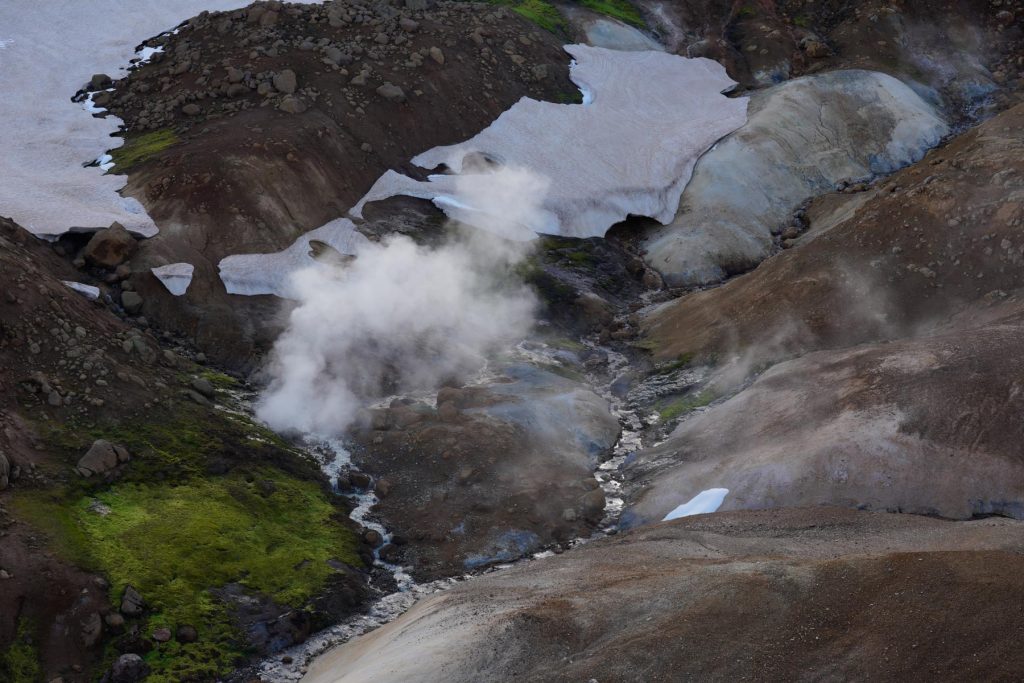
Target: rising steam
column 403, row 316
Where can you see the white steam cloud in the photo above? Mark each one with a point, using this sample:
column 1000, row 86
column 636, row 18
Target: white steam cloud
column 402, row 316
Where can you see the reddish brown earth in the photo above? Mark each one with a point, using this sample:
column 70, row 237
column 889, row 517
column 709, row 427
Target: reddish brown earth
column 801, row 594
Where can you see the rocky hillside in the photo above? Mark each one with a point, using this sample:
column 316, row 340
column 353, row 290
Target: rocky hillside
column 133, row 498
column 827, row 336
column 253, row 127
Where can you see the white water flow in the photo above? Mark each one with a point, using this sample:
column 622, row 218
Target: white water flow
column 335, row 460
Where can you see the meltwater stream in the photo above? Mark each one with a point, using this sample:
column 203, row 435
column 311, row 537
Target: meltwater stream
column 335, row 460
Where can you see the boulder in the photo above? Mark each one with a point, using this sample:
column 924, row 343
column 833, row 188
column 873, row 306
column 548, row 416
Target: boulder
column 101, row 457
column 128, row 668
column 110, row 247
column 292, row 105
column 204, row 387
column 92, row 629
column 186, row 634
column 132, row 603
column 391, row 92
column 5, row 471
column 862, row 123
column 286, row 82
column 99, row 82
column 131, row 302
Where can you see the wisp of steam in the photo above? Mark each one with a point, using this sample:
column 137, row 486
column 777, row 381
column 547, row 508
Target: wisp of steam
column 402, row 316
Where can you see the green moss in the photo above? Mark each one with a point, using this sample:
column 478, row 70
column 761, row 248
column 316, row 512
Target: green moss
column 139, row 148
column 684, row 405
column 219, row 380
column 683, row 361
column 747, row 12
column 618, row 9
column 176, row 542
column 580, row 257
column 20, row 662
column 540, row 12
column 573, row 96
column 803, row 21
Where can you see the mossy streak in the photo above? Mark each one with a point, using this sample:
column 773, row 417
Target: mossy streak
column 139, row 148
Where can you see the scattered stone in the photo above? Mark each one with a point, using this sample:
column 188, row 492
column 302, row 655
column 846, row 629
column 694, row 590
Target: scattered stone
column 286, row 82
column 204, row 387
column 92, row 629
column 162, row 635
column 191, row 109
column 131, row 302
column 132, row 603
column 101, row 457
column 128, row 668
column 437, row 55
column 99, row 82
column 186, row 634
column 292, row 105
column 391, row 92
column 114, row 620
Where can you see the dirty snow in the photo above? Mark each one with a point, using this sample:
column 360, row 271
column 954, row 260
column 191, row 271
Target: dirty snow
column 253, row 274
column 88, row 291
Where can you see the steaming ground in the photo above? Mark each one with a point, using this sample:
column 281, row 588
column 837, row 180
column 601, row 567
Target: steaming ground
column 402, row 316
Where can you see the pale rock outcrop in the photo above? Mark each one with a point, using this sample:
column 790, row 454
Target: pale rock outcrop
column 803, row 137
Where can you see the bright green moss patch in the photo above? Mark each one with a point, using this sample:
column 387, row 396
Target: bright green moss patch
column 139, row 148
column 20, row 662
column 684, row 405
column 269, row 532
column 617, row 9
column 219, row 380
column 540, row 12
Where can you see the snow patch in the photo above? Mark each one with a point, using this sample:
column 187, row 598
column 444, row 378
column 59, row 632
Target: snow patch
column 254, row 274
column 701, row 504
column 47, row 137
column 88, row 291
column 176, row 277
column 629, row 149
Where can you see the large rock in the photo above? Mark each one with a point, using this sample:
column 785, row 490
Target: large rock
column 286, row 82
column 101, row 457
column 128, row 668
column 927, row 426
column 803, row 137
column 809, row 594
column 5, row 471
column 110, row 248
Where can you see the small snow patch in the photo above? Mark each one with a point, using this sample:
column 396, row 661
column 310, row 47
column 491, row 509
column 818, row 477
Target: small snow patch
column 88, row 291
column 703, row 503
column 176, row 277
